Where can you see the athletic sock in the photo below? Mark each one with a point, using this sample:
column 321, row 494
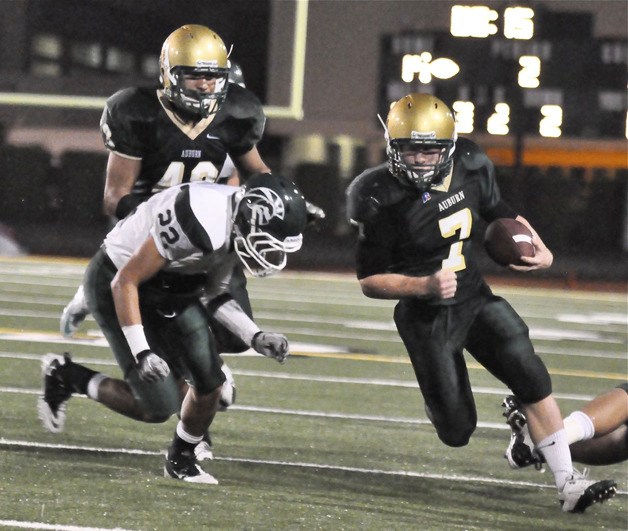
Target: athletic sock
column 94, row 384
column 579, row 427
column 183, row 441
column 555, row 450
column 76, row 376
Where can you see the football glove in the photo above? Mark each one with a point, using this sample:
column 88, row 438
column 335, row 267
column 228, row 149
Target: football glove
column 151, row 368
column 315, row 213
column 271, row 345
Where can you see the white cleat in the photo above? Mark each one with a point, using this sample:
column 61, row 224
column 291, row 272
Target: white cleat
column 74, row 314
column 184, row 467
column 580, row 492
column 228, row 393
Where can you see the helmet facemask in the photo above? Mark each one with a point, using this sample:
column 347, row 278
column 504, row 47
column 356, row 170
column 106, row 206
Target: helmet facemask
column 193, row 101
column 421, row 175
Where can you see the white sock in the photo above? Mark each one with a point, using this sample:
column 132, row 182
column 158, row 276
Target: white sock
column 94, row 384
column 579, row 427
column 185, row 436
column 556, row 452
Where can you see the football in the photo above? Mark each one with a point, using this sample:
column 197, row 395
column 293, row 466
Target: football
column 506, row 240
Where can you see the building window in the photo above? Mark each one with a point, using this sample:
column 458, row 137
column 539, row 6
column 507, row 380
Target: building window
column 86, row 54
column 119, row 60
column 46, row 46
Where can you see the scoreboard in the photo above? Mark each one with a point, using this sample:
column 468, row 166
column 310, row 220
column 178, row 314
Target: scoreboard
column 514, row 71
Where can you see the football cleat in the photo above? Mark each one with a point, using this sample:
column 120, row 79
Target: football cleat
column 55, row 393
column 228, row 393
column 204, row 450
column 183, row 466
column 580, row 492
column 521, row 451
column 74, row 314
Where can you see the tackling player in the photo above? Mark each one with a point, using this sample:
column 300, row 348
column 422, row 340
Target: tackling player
column 194, row 127
column 144, row 288
column 416, row 216
column 597, row 434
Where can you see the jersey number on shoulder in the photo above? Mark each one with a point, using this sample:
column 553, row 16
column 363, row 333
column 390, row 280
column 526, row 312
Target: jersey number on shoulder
column 203, row 171
column 460, row 222
column 169, row 236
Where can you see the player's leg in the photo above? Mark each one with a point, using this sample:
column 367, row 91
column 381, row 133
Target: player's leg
column 74, row 314
column 131, row 397
column 499, row 340
column 440, row 369
column 598, row 431
column 189, row 335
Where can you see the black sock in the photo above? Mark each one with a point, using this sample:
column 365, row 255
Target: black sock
column 179, row 446
column 76, row 376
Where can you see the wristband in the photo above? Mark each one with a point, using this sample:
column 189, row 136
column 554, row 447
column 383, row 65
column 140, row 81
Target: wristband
column 136, row 339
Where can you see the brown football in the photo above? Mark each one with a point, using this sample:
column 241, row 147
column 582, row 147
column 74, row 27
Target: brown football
column 506, row 240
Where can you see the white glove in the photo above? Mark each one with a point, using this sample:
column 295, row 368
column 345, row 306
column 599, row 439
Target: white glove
column 151, row 368
column 271, row 345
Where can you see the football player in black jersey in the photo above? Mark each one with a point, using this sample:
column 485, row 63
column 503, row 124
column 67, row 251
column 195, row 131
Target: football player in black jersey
column 416, row 216
column 194, row 126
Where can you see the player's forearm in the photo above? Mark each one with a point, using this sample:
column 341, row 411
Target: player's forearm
column 231, row 315
column 126, row 301
column 394, row 286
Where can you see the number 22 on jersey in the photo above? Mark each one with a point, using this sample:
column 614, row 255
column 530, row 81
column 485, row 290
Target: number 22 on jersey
column 459, row 222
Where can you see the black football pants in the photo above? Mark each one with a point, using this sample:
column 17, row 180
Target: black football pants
column 492, row 332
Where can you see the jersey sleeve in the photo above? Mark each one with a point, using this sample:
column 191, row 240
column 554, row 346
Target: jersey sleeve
column 123, row 120
column 176, row 229
column 374, row 249
column 491, row 206
column 245, row 115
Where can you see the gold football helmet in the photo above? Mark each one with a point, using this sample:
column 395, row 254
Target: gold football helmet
column 420, row 122
column 194, row 50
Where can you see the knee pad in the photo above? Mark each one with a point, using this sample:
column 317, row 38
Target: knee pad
column 456, row 437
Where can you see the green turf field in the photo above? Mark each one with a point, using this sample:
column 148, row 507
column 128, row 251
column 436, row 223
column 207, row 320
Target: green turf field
column 335, row 439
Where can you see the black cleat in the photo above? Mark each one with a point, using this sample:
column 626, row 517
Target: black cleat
column 55, row 392
column 185, row 467
column 521, row 451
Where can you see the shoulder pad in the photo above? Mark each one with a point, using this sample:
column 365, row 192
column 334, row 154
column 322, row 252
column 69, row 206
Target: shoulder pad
column 371, row 191
column 470, row 155
column 242, row 103
column 133, row 102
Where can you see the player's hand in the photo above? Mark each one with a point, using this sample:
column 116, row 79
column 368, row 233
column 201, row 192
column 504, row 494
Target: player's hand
column 151, row 368
column 315, row 213
column 442, row 284
column 542, row 259
column 271, row 345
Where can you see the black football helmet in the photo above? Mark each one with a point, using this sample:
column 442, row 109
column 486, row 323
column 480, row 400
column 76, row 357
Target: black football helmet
column 270, row 216
column 236, row 75
column 420, row 121
column 198, row 51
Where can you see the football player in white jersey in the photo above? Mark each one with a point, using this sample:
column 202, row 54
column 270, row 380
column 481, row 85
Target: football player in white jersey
column 199, row 124
column 144, row 288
